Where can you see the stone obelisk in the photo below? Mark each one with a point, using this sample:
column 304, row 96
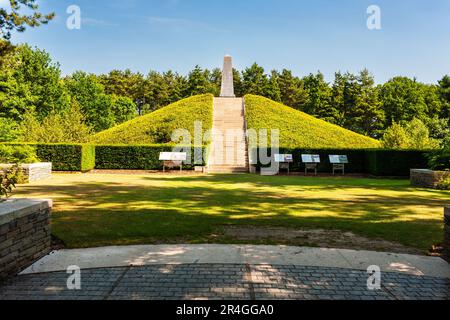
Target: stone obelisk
column 227, row 89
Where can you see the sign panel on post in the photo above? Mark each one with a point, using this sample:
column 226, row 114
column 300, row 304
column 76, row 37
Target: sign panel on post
column 310, row 158
column 283, row 158
column 338, row 159
column 173, row 156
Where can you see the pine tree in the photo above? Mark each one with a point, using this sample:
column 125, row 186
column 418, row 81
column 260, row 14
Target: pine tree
column 12, row 18
column 318, row 98
column 292, row 90
column 254, row 80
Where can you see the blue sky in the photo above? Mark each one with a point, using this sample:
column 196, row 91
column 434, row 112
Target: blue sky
column 304, row 36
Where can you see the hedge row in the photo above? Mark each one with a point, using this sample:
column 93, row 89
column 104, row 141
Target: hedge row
column 83, row 157
column 377, row 162
column 66, row 157
column 145, row 157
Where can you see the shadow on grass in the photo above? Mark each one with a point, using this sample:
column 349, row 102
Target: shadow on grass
column 95, row 214
column 330, row 183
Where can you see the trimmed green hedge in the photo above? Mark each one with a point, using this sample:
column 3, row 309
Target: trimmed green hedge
column 377, row 162
column 85, row 157
column 66, row 157
column 395, row 162
column 144, row 157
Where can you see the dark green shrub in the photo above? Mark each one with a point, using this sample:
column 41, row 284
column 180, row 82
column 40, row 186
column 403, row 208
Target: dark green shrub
column 440, row 159
column 145, row 157
column 371, row 161
column 395, row 162
column 65, row 157
column 357, row 162
column 68, row 157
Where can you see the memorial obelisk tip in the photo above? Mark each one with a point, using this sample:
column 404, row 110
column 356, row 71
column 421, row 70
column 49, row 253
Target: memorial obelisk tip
column 227, row 88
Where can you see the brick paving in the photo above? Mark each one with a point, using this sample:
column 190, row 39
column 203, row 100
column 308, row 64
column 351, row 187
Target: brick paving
column 224, row 281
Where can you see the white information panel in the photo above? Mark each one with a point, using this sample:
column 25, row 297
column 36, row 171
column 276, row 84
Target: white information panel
column 173, row 156
column 284, row 158
column 338, row 159
column 310, row 158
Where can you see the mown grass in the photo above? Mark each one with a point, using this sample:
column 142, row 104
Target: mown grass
column 300, row 130
column 157, row 127
column 99, row 209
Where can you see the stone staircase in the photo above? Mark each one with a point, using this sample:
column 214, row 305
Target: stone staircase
column 228, row 153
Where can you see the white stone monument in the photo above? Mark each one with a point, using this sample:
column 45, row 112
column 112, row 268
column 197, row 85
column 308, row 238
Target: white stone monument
column 227, row 89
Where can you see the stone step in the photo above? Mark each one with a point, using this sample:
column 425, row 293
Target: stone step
column 229, row 142
column 221, row 142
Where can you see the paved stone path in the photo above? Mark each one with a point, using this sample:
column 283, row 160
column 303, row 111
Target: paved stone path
column 224, row 281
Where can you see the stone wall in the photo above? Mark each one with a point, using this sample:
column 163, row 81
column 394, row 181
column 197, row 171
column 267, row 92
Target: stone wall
column 427, row 178
column 24, row 234
column 446, row 252
column 33, row 172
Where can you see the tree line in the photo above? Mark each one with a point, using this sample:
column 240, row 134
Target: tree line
column 34, row 96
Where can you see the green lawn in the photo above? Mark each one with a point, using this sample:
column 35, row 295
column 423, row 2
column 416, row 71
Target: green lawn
column 100, row 209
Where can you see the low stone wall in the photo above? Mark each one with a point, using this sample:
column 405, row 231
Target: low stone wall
column 446, row 252
column 24, row 234
column 34, row 171
column 427, row 178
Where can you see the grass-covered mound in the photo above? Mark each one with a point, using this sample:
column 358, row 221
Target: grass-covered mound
column 157, row 127
column 300, row 130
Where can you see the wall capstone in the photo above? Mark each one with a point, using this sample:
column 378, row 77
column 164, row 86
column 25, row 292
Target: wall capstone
column 24, row 234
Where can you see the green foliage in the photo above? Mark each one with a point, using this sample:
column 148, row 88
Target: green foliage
column 163, row 89
column 123, row 83
column 200, row 82
column 444, row 94
column 17, row 154
column 13, row 17
column 444, row 184
column 272, row 90
column 67, row 127
column 143, row 157
column 440, row 159
column 7, row 50
column 123, row 108
column 404, row 99
column 87, row 157
column 357, row 158
column 298, row 129
column 65, row 157
column 409, row 135
column 395, row 162
column 317, row 100
column 30, row 82
column 439, row 127
column 157, row 127
column 8, row 180
column 9, row 130
column 377, row 162
column 254, row 80
column 68, row 157
column 355, row 103
column 292, row 91
column 95, row 104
